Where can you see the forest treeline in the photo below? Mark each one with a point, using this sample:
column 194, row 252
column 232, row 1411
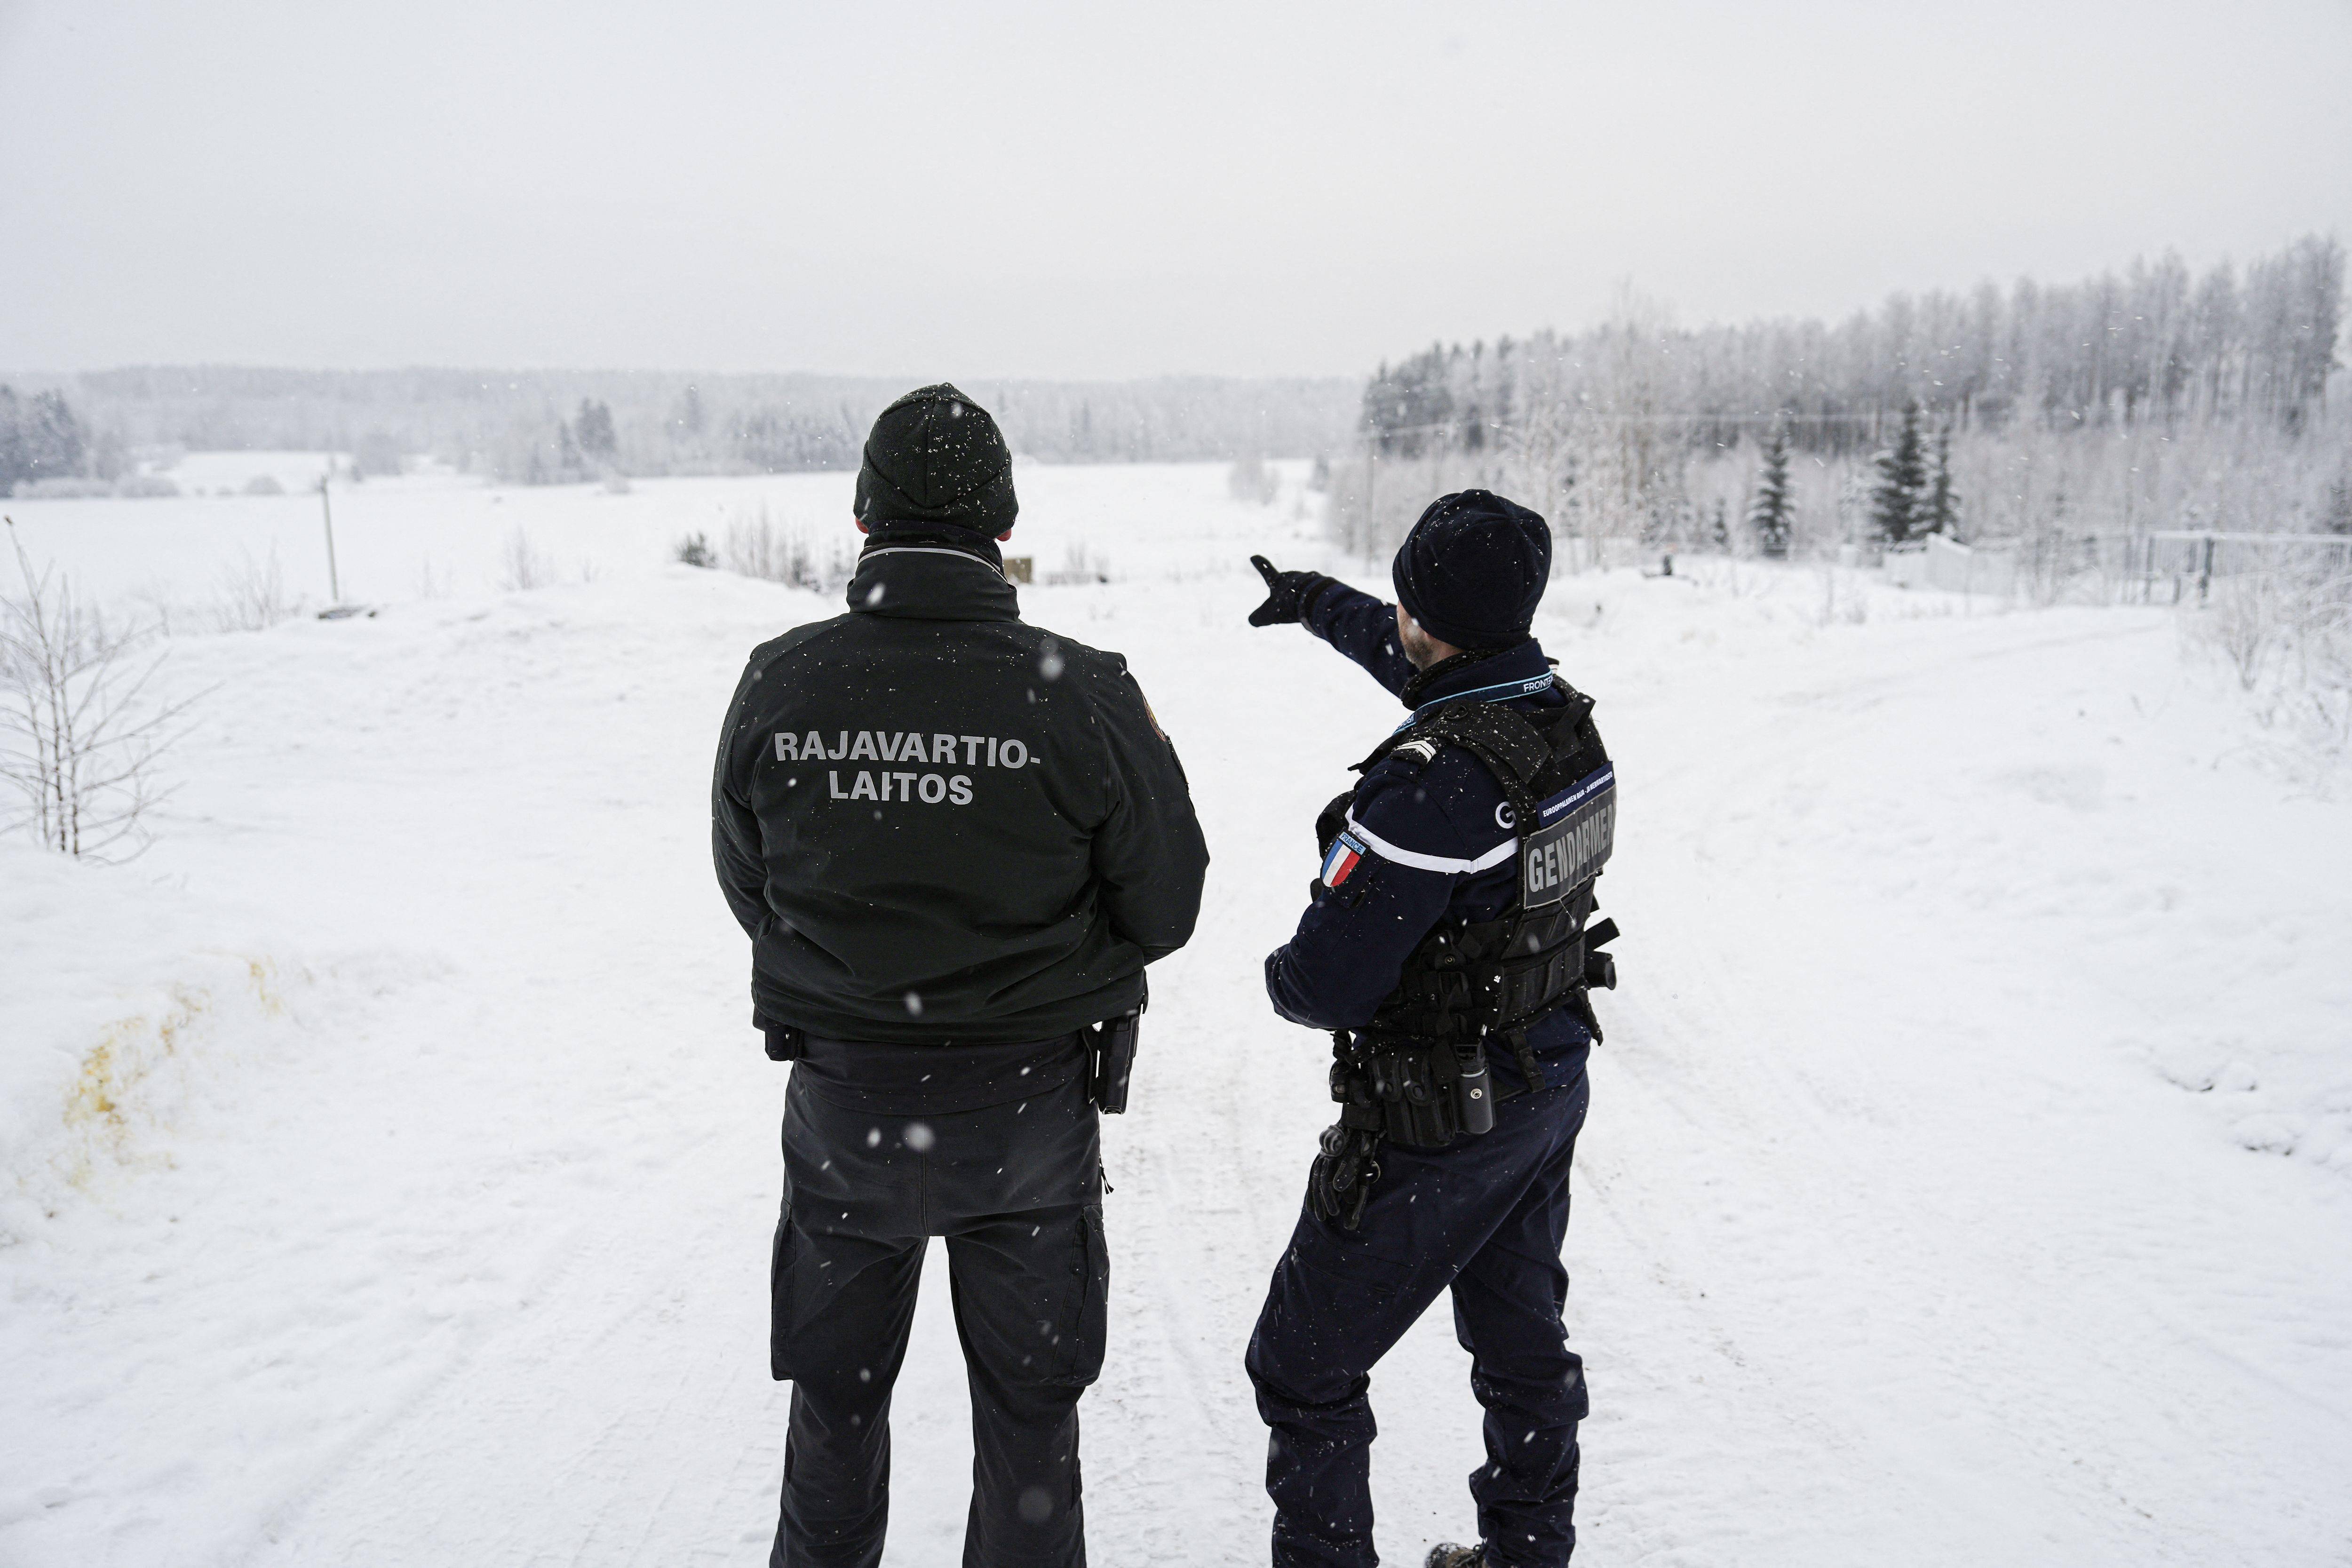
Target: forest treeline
column 2154, row 398
column 550, row 427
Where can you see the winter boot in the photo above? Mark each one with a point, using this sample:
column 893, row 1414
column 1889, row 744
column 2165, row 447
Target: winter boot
column 1445, row 1555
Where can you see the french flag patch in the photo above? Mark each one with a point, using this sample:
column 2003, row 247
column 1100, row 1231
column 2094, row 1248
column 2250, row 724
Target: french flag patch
column 1345, row 852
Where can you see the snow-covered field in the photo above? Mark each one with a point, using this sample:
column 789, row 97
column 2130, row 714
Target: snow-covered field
column 387, row 1166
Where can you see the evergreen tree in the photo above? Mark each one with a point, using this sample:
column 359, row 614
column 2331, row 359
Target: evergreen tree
column 1719, row 535
column 1940, row 511
column 11, row 440
column 54, row 439
column 40, row 439
column 593, row 429
column 1772, row 514
column 1899, row 499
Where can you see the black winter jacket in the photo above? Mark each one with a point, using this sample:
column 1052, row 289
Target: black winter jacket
column 941, row 825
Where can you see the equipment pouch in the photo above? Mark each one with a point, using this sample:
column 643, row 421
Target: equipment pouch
column 1418, row 1096
column 1474, row 1091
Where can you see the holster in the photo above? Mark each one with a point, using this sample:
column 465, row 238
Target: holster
column 1111, row 1057
column 1112, row 1063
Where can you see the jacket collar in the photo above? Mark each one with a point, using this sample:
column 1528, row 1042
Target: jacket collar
column 1519, row 672
column 927, row 577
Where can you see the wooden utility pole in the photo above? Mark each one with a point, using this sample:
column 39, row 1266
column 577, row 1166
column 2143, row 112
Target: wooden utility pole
column 326, row 509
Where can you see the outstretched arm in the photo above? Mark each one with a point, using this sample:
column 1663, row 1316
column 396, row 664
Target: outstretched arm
column 1362, row 628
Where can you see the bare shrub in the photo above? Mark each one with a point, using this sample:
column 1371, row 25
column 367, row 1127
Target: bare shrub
column 78, row 739
column 2286, row 635
column 694, row 550
column 758, row 548
column 2245, row 621
column 1080, row 564
column 252, row 596
column 779, row 553
column 522, row 567
column 2323, row 656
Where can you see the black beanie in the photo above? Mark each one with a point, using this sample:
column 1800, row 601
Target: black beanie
column 1473, row 570
column 936, row 456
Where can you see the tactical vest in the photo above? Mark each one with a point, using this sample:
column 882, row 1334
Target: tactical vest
column 1416, row 1073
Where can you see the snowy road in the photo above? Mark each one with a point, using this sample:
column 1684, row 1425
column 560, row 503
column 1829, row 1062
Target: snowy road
column 1969, row 1178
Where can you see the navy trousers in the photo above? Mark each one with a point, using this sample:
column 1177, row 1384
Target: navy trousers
column 1485, row 1216
column 1016, row 1191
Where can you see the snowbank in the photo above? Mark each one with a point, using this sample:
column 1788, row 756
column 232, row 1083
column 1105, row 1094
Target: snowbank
column 121, row 997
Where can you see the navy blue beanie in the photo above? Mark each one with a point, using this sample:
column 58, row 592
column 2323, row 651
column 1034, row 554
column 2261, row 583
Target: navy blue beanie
column 1473, row 570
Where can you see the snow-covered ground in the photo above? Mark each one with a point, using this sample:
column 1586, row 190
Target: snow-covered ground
column 387, row 1166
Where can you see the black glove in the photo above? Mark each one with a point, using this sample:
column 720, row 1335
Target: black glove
column 1340, row 1183
column 1289, row 595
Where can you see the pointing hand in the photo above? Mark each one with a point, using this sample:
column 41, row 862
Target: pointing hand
column 1289, row 595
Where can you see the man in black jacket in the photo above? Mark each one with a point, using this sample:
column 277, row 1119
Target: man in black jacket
column 955, row 840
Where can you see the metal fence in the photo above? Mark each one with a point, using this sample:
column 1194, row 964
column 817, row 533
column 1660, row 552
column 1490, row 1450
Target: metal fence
column 2177, row 565
column 2116, row 568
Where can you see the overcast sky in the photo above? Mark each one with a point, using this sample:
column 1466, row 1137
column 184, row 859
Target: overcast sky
column 1101, row 189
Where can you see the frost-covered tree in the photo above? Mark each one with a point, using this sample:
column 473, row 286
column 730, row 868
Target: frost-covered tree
column 1772, row 514
column 40, row 439
column 2337, row 517
column 12, row 439
column 54, row 439
column 1899, row 497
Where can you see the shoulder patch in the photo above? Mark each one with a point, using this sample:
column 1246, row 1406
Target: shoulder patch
column 1346, row 851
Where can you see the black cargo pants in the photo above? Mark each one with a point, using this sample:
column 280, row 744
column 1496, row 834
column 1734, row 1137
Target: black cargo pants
column 1016, row 1191
column 1485, row 1216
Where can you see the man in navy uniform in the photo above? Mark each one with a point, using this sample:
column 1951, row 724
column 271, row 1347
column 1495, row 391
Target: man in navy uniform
column 1449, row 950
